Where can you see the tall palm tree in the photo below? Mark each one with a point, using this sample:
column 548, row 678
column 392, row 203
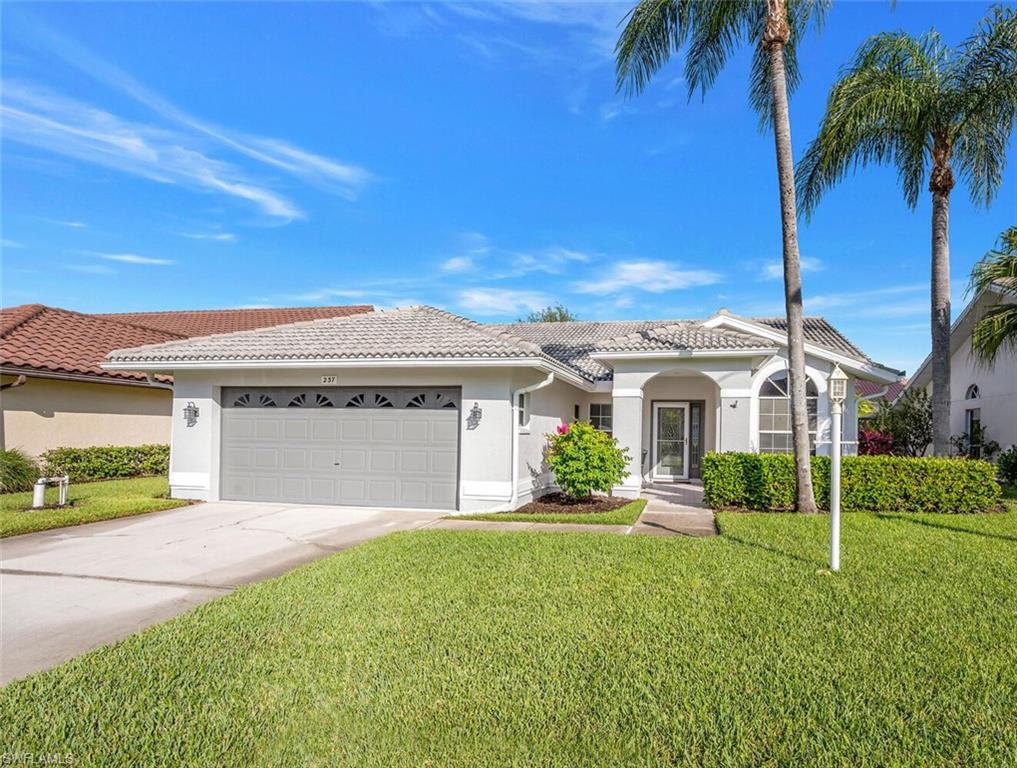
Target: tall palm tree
column 926, row 108
column 654, row 30
column 996, row 329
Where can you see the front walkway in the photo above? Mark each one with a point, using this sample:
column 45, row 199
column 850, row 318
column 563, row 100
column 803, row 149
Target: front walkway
column 675, row 508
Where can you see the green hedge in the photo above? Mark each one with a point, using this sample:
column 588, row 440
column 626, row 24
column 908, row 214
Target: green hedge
column 105, row 462
column 868, row 483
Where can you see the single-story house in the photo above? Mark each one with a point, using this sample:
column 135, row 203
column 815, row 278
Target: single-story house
column 420, row 408
column 54, row 392
column 986, row 395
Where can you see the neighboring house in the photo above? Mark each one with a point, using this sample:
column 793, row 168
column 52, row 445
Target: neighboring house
column 978, row 393
column 417, row 407
column 54, row 392
column 871, row 394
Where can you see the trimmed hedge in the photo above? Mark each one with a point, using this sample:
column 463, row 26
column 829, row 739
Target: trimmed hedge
column 868, row 483
column 107, row 462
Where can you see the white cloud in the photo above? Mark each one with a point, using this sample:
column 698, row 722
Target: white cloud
column 133, row 258
column 64, row 126
column 859, row 298
column 774, row 270
column 344, row 178
column 650, row 276
column 457, row 264
column 501, row 301
column 218, row 237
column 11, row 244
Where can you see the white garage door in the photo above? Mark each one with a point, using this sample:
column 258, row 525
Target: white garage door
column 354, row 447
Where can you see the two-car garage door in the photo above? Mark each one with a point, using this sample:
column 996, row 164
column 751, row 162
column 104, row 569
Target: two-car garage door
column 395, row 447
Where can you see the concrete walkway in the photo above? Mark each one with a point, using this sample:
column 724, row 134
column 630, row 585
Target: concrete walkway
column 671, row 510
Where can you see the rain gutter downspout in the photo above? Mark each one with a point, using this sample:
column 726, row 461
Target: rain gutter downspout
column 515, row 433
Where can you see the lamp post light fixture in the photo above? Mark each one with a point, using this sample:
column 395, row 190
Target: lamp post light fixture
column 191, row 413
column 838, row 393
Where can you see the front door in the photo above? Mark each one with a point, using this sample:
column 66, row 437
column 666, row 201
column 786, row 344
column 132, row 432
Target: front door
column 670, row 441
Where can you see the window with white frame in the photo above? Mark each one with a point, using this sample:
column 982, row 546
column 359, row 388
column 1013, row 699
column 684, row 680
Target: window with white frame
column 601, row 416
column 775, row 414
column 972, row 393
column 523, row 409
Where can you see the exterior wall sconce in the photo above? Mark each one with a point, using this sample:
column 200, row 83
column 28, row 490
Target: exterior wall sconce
column 473, row 419
column 191, row 413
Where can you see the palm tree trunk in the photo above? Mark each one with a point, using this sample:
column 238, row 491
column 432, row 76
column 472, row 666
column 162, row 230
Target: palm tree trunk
column 775, row 37
column 940, row 184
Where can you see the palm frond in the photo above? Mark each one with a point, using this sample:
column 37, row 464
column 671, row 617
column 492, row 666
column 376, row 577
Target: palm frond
column 983, row 102
column 653, row 30
column 996, row 329
column 716, row 32
column 881, row 110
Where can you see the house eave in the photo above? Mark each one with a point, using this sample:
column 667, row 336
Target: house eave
column 684, row 353
column 85, row 378
column 168, row 366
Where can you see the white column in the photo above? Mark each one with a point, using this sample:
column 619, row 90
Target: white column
column 627, row 414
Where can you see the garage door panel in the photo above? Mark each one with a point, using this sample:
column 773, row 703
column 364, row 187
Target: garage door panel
column 398, row 456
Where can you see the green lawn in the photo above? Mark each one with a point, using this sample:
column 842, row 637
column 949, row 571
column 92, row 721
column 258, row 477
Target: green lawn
column 91, row 502
column 441, row 648
column 622, row 516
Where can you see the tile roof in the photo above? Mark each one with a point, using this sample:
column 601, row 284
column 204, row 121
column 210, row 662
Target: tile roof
column 426, row 332
column 34, row 337
column 819, row 332
column 411, row 332
column 205, row 322
column 572, row 343
column 870, row 388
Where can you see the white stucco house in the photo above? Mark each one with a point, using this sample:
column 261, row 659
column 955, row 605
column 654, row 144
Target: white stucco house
column 420, row 408
column 978, row 393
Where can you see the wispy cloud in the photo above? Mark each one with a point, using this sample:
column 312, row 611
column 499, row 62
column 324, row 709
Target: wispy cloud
column 774, row 270
column 457, row 264
column 875, row 296
column 650, row 276
column 345, row 179
column 69, row 224
column 11, row 244
column 218, row 237
column 133, row 258
column 487, row 302
column 40, row 118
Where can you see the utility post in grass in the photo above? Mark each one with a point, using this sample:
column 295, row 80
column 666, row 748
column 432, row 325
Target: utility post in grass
column 838, row 393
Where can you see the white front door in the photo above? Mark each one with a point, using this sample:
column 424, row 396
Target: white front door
column 670, row 441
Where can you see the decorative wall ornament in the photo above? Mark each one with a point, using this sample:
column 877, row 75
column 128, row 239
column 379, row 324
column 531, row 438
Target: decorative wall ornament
column 191, row 413
column 474, row 416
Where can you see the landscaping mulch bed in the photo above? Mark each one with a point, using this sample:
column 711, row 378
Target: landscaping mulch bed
column 560, row 504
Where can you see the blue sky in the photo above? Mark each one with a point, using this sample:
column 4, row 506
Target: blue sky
column 470, row 156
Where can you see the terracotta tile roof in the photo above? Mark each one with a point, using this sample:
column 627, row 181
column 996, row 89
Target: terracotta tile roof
column 205, row 322
column 870, row 388
column 34, row 337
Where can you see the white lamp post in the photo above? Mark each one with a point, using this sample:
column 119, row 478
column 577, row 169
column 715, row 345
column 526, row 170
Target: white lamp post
column 838, row 393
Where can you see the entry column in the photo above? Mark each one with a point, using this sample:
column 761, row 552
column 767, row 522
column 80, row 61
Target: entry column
column 628, row 430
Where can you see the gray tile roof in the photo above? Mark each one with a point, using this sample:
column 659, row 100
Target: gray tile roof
column 408, row 332
column 573, row 343
column 819, row 332
column 426, row 332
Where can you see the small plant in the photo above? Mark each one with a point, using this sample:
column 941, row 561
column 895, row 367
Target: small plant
column 1006, row 465
column 908, row 421
column 973, row 445
column 585, row 459
column 18, row 471
column 872, row 442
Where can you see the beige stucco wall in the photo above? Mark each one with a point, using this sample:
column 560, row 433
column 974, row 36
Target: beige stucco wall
column 50, row 413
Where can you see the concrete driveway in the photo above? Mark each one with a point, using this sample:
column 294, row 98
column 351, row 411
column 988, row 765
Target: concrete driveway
column 67, row 591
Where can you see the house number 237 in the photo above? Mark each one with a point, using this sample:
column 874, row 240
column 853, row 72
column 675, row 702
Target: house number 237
column 329, row 379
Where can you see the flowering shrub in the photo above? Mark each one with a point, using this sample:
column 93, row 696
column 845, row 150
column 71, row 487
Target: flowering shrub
column 872, row 442
column 585, row 460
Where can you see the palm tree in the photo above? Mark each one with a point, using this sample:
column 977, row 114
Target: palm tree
column 996, row 329
column 926, row 108
column 714, row 30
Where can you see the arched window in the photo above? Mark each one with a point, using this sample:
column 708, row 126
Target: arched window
column 972, row 393
column 775, row 414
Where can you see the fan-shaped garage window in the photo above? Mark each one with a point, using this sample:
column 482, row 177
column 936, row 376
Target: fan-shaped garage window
column 380, row 401
column 972, row 393
column 246, row 400
column 444, row 401
column 306, row 400
column 417, row 401
column 775, row 413
column 357, row 401
column 300, row 401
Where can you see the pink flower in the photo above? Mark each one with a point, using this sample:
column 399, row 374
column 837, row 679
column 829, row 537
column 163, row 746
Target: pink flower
column 563, row 429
